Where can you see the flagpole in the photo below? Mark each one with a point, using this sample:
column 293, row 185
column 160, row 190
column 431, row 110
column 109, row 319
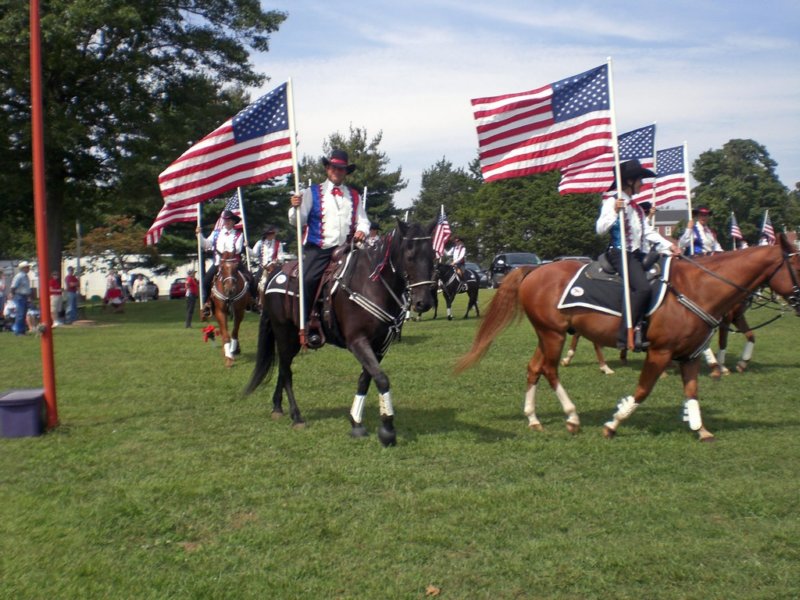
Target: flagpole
column 733, row 239
column 298, row 228
column 764, row 224
column 200, row 265
column 653, row 189
column 626, row 284
column 688, row 193
column 244, row 227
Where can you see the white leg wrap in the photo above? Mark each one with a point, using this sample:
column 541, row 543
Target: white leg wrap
column 530, row 405
column 691, row 414
column 708, row 354
column 606, row 369
column 625, row 409
column 449, row 312
column 234, row 344
column 567, row 405
column 386, row 404
column 357, row 410
column 747, row 353
column 721, row 356
column 227, row 349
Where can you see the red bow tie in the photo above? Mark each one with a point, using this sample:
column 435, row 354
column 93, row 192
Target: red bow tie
column 336, row 191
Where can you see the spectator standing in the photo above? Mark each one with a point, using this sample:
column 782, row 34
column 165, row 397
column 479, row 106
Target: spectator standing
column 56, row 298
column 73, row 288
column 140, row 289
column 192, row 292
column 2, row 287
column 21, row 291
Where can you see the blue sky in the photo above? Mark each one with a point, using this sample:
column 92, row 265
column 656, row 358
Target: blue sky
column 704, row 71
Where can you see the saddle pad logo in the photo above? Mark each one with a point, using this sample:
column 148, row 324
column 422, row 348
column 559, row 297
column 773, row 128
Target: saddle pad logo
column 577, row 291
column 280, row 279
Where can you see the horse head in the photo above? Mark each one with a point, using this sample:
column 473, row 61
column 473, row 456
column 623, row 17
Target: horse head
column 785, row 279
column 413, row 251
column 230, row 284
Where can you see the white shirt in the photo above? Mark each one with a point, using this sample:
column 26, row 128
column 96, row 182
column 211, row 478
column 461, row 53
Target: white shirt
column 228, row 240
column 710, row 243
column 639, row 232
column 336, row 215
column 265, row 249
column 458, row 253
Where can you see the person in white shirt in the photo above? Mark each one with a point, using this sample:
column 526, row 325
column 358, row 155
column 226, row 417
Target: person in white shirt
column 458, row 256
column 226, row 239
column 699, row 238
column 268, row 252
column 639, row 236
column 330, row 213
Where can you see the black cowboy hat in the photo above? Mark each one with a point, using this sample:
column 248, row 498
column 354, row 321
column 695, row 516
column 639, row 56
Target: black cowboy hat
column 702, row 211
column 269, row 229
column 374, row 226
column 227, row 214
column 339, row 158
column 646, row 206
column 631, row 169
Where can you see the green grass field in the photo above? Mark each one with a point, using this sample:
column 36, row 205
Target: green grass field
column 163, row 482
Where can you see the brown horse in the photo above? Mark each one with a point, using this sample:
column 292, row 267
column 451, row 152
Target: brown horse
column 702, row 290
column 230, row 295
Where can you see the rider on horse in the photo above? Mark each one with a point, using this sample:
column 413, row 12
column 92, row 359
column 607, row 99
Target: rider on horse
column 458, row 257
column 227, row 239
column 268, row 253
column 699, row 235
column 330, row 213
column 639, row 235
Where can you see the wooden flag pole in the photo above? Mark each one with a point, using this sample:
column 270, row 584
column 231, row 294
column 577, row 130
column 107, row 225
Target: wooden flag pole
column 688, row 195
column 626, row 284
column 200, row 262
column 244, row 227
column 298, row 225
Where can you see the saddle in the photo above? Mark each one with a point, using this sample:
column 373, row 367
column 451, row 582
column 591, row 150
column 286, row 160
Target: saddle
column 598, row 287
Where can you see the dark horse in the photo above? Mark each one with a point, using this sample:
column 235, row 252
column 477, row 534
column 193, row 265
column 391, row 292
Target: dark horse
column 451, row 286
column 370, row 297
column 702, row 291
column 230, row 295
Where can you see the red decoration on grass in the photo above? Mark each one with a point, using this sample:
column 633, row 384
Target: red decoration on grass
column 209, row 333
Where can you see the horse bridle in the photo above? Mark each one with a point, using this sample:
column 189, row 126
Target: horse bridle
column 427, row 281
column 238, row 296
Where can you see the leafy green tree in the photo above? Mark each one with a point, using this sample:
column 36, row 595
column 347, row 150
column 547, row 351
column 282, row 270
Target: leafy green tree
column 126, row 85
column 740, row 177
column 371, row 171
column 444, row 185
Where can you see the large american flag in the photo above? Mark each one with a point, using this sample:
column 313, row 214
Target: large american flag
column 441, row 233
column 597, row 174
column 767, row 230
column 546, row 128
column 671, row 181
column 252, row 146
column 736, row 233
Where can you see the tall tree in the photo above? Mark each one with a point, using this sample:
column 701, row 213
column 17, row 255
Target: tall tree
column 126, row 85
column 740, row 177
column 371, row 171
column 442, row 184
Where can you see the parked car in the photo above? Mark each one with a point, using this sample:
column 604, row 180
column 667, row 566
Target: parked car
column 504, row 263
column 151, row 289
column 177, row 288
column 484, row 281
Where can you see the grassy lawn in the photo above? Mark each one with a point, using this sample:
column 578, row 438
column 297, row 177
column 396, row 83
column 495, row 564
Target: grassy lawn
column 164, row 482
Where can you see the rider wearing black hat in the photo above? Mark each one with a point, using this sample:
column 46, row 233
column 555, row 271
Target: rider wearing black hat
column 639, row 236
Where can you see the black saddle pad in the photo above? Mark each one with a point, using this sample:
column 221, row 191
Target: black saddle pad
column 593, row 287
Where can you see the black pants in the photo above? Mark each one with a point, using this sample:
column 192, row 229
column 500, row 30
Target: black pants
column 639, row 287
column 315, row 259
column 190, row 302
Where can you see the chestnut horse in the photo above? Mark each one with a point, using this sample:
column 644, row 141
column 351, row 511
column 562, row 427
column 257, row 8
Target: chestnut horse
column 369, row 303
column 230, row 295
column 702, row 291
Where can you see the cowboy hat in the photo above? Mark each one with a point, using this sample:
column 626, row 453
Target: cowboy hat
column 374, row 226
column 631, row 170
column 339, row 159
column 702, row 211
column 227, row 214
column 23, row 264
column 269, row 229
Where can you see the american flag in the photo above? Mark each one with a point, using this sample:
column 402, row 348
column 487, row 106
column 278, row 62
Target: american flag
column 167, row 216
column 544, row 129
column 441, row 233
column 671, row 181
column 736, row 233
column 767, row 230
column 252, row 146
column 597, row 174
column 232, row 205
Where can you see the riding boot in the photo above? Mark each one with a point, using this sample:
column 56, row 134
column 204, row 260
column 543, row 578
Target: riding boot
column 640, row 343
column 314, row 338
column 206, row 312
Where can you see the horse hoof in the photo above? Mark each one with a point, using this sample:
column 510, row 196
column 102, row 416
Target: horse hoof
column 276, row 415
column 536, row 427
column 608, row 433
column 707, row 437
column 359, row 431
column 564, row 362
column 228, row 362
column 573, row 428
column 449, row 318
column 741, row 366
column 388, row 437
column 716, row 375
column 299, row 425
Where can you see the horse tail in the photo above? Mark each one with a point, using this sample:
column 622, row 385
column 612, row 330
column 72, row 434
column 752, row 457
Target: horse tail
column 265, row 357
column 503, row 309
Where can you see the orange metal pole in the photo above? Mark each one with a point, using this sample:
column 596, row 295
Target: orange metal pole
column 40, row 217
